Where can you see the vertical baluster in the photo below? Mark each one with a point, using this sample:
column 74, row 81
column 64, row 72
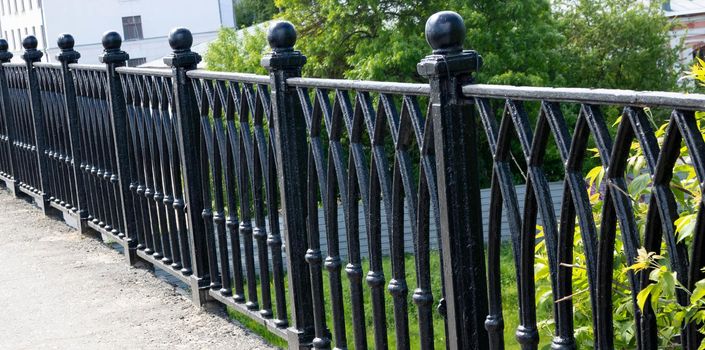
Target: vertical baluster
column 98, row 114
column 208, row 166
column 137, row 135
column 377, row 187
column 260, row 230
column 85, row 145
column 48, row 124
column 244, row 185
column 163, row 137
column 188, row 136
column 113, row 57
column 110, row 175
column 230, row 166
column 454, row 134
column 145, row 137
column 290, row 138
column 274, row 240
column 357, row 180
column 219, row 159
column 153, row 129
column 179, row 203
column 132, row 102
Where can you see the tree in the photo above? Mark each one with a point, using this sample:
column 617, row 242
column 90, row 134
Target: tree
column 237, row 51
column 384, row 39
column 617, row 44
column 249, row 12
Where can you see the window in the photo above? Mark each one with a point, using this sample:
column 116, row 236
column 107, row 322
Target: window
column 132, row 27
column 2, row 7
column 134, row 62
column 16, row 6
column 44, row 37
column 22, row 3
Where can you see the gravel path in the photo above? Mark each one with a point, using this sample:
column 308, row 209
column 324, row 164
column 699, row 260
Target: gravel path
column 63, row 290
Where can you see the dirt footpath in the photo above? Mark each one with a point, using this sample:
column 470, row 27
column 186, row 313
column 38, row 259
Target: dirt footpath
column 62, row 290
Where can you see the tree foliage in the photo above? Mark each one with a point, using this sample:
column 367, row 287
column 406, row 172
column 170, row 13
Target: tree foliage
column 249, row 12
column 588, row 43
column 617, row 44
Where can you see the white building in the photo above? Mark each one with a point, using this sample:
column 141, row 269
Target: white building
column 689, row 25
column 143, row 24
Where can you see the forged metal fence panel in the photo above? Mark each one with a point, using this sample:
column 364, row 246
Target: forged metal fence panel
column 62, row 183
column 240, row 186
column 99, row 162
column 598, row 238
column 365, row 139
column 24, row 143
column 155, row 170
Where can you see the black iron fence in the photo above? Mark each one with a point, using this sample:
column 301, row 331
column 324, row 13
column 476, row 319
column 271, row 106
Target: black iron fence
column 190, row 170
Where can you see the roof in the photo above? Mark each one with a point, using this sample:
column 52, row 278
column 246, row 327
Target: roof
column 674, row 8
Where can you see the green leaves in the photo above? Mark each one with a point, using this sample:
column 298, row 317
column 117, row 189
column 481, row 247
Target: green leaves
column 685, row 226
column 639, row 185
column 699, row 292
column 644, row 295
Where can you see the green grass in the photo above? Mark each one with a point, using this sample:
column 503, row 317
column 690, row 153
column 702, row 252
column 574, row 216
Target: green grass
column 509, row 305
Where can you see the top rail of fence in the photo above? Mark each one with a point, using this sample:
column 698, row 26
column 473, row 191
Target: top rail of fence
column 363, row 85
column 239, row 77
column 47, row 65
column 158, row 72
column 596, row 96
column 91, row 67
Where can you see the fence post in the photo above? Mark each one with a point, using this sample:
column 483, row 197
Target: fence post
column 454, row 131
column 188, row 128
column 113, row 58
column 290, row 148
column 30, row 56
column 12, row 178
column 66, row 57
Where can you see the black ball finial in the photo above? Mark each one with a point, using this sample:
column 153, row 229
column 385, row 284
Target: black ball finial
column 281, row 36
column 180, row 39
column 445, row 32
column 65, row 42
column 30, row 43
column 4, row 45
column 111, row 40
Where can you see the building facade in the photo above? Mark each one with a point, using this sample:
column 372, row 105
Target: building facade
column 688, row 18
column 143, row 24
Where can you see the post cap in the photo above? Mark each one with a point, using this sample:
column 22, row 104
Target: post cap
column 65, row 42
column 5, row 56
column 30, row 43
column 67, row 54
column 281, row 36
column 445, row 32
column 31, row 54
column 111, row 41
column 180, row 39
